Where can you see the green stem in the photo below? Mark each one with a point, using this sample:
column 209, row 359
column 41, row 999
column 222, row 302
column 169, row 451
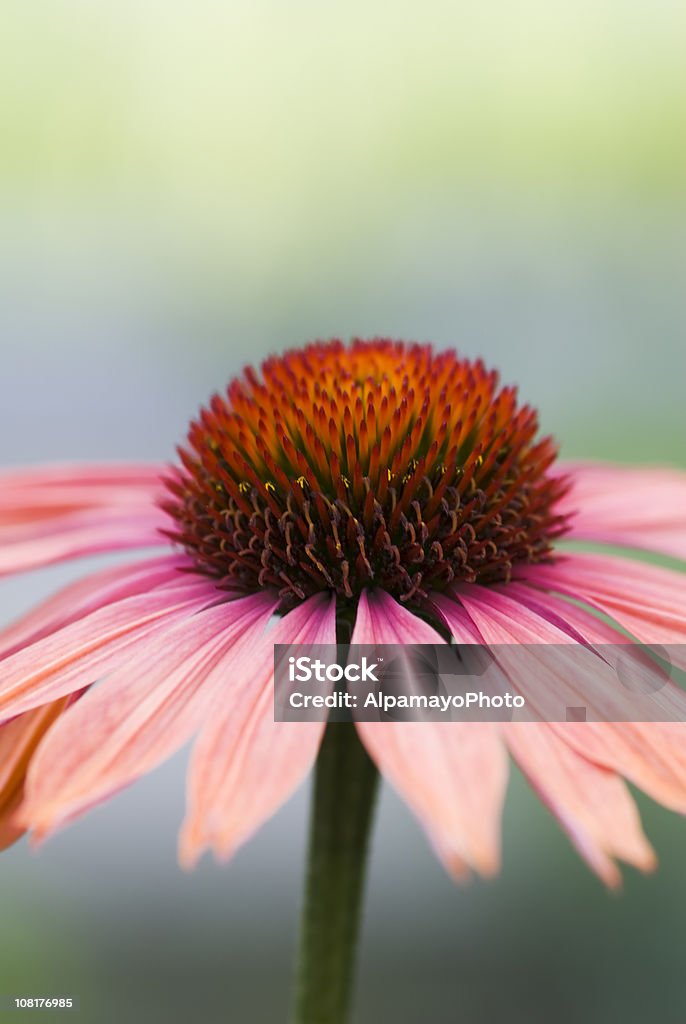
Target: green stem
column 344, row 791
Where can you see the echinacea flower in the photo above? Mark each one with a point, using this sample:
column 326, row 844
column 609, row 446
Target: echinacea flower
column 381, row 477
column 382, row 484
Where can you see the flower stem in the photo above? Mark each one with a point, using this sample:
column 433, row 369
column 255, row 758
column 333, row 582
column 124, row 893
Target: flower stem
column 344, row 792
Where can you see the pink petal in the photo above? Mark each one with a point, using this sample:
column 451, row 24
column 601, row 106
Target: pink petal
column 88, row 594
column 52, row 489
column 629, row 506
column 581, row 622
column 452, row 775
column 87, row 649
column 244, row 764
column 78, row 535
column 49, row 514
column 148, row 708
column 648, row 601
column 650, row 754
column 590, row 802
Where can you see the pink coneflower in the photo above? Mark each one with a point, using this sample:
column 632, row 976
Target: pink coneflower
column 383, row 489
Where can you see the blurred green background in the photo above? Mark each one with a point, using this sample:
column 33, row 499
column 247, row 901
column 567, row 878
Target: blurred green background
column 184, row 187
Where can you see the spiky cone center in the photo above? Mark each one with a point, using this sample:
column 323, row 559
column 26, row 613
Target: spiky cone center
column 376, row 464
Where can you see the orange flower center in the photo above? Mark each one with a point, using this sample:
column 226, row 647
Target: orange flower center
column 378, row 464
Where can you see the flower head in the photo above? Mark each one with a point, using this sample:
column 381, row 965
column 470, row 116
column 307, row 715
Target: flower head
column 378, row 465
column 400, row 486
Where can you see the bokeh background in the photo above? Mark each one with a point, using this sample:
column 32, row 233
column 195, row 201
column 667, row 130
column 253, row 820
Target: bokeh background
column 185, row 187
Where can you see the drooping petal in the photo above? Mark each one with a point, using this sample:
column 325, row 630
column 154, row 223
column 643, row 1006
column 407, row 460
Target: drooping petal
column 665, row 701
column 87, row 595
column 245, row 764
column 452, row 775
column 142, row 713
column 591, row 802
column 77, row 535
column 85, row 650
column 647, row 600
column 630, row 506
column 78, row 483
column 650, row 754
column 50, row 514
column 18, row 741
